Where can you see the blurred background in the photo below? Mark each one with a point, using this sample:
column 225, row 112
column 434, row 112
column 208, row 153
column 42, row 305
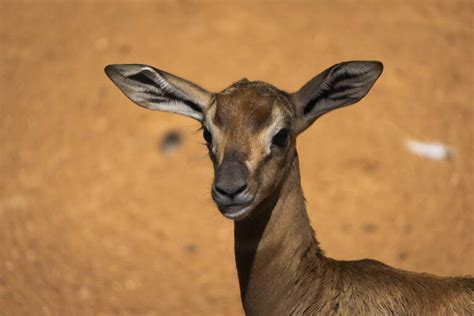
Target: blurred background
column 105, row 207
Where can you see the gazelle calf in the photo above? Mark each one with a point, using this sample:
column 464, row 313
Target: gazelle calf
column 250, row 129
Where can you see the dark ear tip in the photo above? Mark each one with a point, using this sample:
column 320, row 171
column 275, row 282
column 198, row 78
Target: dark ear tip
column 114, row 72
column 378, row 66
column 111, row 70
column 372, row 66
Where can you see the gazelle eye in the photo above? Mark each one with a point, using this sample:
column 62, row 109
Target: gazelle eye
column 207, row 135
column 281, row 138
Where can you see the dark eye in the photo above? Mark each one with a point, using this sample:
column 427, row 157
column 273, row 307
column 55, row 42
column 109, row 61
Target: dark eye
column 207, row 135
column 281, row 138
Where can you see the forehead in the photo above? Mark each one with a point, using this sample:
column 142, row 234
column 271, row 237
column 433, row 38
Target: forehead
column 250, row 106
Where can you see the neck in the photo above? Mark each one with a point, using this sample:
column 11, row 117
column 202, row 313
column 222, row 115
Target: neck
column 273, row 245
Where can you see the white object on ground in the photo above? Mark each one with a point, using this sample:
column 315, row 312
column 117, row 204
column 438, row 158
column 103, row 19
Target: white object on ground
column 430, row 150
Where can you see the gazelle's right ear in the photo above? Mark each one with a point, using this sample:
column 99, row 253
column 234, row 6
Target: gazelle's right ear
column 158, row 90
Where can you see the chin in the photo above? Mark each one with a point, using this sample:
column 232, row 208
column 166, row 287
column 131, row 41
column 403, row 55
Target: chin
column 236, row 212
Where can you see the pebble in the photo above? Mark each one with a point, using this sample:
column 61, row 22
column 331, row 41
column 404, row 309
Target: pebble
column 170, row 142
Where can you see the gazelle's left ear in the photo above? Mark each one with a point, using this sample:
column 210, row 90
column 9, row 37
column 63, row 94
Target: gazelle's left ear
column 158, row 90
column 342, row 84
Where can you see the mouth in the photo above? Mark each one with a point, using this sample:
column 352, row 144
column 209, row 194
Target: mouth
column 235, row 208
column 236, row 211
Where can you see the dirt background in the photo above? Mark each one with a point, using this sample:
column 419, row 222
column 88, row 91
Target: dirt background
column 96, row 220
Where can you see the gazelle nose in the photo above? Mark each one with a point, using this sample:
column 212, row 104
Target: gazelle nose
column 230, row 190
column 231, row 180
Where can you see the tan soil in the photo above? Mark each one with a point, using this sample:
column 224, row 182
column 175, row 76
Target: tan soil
column 95, row 220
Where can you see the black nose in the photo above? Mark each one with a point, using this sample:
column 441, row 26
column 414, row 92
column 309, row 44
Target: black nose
column 230, row 190
column 231, row 179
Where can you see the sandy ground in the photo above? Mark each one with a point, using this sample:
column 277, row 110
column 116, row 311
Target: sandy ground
column 96, row 220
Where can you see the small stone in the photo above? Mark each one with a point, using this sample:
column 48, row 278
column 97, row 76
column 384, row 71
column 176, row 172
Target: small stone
column 190, row 248
column 403, row 255
column 345, row 228
column 369, row 227
column 170, row 142
column 407, row 229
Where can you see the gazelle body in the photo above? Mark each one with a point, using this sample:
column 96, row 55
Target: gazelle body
column 250, row 129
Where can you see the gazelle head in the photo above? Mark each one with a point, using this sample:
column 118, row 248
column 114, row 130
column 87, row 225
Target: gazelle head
column 251, row 126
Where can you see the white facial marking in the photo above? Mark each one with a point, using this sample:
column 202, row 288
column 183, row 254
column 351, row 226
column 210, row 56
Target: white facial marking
column 217, row 135
column 262, row 148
